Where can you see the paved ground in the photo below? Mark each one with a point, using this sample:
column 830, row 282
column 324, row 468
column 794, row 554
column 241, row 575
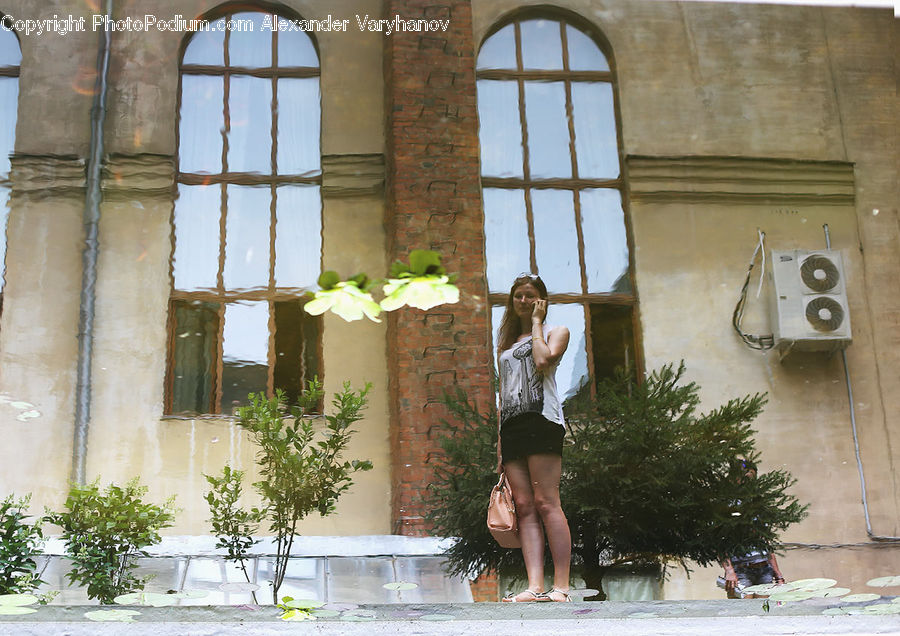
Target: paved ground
column 746, row 617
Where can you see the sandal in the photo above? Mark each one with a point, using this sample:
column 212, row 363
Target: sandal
column 565, row 596
column 530, row 596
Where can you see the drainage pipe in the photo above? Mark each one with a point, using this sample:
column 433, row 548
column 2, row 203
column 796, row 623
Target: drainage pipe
column 859, row 465
column 93, row 196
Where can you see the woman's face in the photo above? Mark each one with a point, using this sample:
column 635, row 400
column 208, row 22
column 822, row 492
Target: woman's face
column 523, row 299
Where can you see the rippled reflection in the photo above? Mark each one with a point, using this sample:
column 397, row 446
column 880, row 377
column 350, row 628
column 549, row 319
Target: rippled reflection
column 506, row 237
column 196, row 254
column 248, row 227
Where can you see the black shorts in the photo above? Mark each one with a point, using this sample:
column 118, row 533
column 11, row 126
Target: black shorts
column 530, row 434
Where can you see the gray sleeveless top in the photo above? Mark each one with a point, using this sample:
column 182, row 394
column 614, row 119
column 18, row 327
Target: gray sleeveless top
column 524, row 389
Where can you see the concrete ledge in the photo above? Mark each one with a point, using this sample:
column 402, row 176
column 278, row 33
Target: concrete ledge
column 615, row 617
column 304, row 546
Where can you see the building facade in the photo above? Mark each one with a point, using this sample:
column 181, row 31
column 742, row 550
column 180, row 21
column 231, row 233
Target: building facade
column 627, row 150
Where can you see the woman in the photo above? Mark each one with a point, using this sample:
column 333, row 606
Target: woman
column 531, row 434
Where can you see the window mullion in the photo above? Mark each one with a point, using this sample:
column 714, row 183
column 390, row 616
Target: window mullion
column 526, row 170
column 223, row 224
column 271, row 354
column 589, row 346
column 216, row 406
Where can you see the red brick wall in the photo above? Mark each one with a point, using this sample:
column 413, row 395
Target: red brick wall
column 486, row 588
column 433, row 201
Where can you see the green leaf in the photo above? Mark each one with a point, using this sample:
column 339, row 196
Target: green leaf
column 361, row 280
column 328, row 279
column 421, row 260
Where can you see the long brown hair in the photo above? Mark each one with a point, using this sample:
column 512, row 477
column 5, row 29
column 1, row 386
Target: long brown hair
column 510, row 326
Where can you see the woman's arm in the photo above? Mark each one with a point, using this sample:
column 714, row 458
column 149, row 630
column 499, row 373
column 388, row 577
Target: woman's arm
column 546, row 353
column 500, row 390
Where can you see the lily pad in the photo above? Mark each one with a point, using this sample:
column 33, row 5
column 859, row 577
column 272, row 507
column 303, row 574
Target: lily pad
column 399, row 586
column 422, row 292
column 833, row 592
column 297, row 615
column 119, row 615
column 17, row 600
column 9, row 610
column 347, row 301
column 884, row 581
column 812, row 584
column 860, row 598
column 153, row 599
column 581, row 593
column 882, row 608
column 356, row 618
column 643, row 615
column 793, row 595
column 340, row 607
column 325, row 613
column 303, row 603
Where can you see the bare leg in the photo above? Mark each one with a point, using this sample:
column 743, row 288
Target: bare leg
column 545, row 470
column 531, row 533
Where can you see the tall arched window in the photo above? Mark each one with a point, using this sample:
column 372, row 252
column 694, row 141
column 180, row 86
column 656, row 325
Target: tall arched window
column 248, row 218
column 553, row 188
column 10, row 59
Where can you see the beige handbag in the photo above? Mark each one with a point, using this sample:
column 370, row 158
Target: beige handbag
column 501, row 516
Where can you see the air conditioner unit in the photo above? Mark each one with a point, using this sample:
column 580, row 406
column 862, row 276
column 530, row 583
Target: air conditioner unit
column 810, row 307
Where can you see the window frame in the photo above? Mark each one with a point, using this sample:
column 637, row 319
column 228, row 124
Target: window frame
column 221, row 295
column 9, row 71
column 575, row 184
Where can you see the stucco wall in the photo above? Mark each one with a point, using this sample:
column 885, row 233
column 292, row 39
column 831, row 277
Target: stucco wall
column 707, row 80
column 128, row 435
column 776, row 82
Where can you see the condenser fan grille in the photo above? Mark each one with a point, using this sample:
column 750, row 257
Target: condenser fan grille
column 819, row 273
column 824, row 314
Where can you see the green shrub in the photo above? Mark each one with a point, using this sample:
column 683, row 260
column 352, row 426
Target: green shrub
column 105, row 531
column 20, row 543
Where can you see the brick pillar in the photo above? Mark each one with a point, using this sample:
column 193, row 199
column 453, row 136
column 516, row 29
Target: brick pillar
column 486, row 588
column 433, row 202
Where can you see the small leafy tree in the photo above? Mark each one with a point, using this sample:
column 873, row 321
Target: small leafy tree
column 105, row 531
column 302, row 472
column 233, row 526
column 20, row 543
column 646, row 479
